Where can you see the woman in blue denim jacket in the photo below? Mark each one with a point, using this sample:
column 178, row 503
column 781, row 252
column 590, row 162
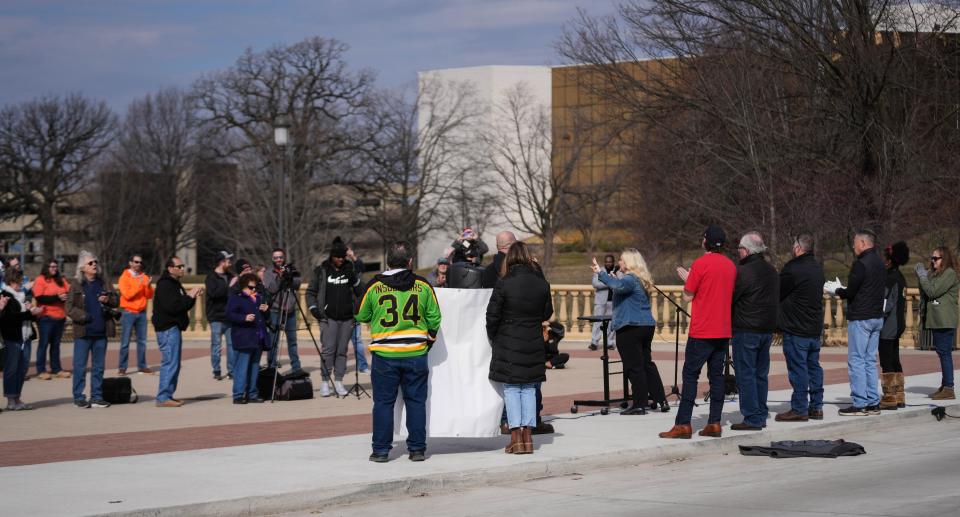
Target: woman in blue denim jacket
column 634, row 325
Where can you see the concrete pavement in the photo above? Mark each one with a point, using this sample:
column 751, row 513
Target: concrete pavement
column 316, row 473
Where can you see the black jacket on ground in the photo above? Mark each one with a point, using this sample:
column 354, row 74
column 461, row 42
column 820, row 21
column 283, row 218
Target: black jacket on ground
column 520, row 303
column 171, row 305
column 801, row 297
column 865, row 287
column 756, row 295
column 488, row 280
column 216, row 296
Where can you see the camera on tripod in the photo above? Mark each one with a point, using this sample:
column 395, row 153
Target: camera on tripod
column 286, row 275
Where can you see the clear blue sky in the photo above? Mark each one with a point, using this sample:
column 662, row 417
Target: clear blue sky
column 121, row 49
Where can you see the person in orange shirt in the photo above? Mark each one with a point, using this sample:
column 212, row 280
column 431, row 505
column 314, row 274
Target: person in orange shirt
column 135, row 290
column 50, row 292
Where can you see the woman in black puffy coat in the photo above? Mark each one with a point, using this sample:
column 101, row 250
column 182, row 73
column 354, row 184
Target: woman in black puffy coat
column 518, row 309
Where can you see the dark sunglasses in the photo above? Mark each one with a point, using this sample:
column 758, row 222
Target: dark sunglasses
column 92, row 263
column 178, row 266
column 278, row 257
column 252, row 287
column 934, row 259
column 137, row 261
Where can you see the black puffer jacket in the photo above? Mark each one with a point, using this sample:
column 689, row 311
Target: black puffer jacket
column 756, row 295
column 519, row 304
column 801, row 297
column 865, row 287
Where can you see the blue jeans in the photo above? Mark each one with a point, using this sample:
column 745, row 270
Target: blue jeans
column 51, row 332
column 804, row 371
column 751, row 360
column 290, row 328
column 16, row 362
column 521, row 404
column 863, row 340
column 503, row 416
column 96, row 349
column 409, row 374
column 943, row 343
column 169, row 342
column 359, row 348
column 130, row 321
column 218, row 329
column 711, row 352
column 245, row 372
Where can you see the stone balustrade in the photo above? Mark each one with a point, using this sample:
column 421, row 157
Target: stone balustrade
column 572, row 301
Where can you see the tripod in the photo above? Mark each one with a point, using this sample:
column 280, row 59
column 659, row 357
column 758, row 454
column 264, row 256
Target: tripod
column 675, row 388
column 286, row 291
column 356, row 388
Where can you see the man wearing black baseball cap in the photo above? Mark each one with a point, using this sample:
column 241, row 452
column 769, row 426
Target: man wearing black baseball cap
column 708, row 286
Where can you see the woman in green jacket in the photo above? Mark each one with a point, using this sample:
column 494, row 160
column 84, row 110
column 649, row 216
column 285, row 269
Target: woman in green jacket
column 940, row 288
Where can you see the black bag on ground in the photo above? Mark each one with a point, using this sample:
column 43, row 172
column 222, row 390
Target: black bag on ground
column 265, row 382
column 119, row 390
column 296, row 389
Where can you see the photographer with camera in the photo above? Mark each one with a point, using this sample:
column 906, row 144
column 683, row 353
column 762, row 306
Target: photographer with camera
column 275, row 280
column 332, row 297
column 91, row 304
column 218, row 284
column 465, row 244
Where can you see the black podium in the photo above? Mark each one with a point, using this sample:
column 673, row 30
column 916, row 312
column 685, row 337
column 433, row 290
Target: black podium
column 604, row 404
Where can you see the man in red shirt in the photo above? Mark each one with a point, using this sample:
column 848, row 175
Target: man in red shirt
column 708, row 286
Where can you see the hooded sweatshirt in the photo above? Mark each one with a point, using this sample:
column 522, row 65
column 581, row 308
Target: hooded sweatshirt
column 403, row 314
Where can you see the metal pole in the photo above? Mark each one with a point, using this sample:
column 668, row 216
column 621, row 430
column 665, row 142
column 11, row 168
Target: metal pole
column 283, row 176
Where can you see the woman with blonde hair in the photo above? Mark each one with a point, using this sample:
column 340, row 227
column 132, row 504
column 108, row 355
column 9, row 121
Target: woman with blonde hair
column 940, row 288
column 634, row 325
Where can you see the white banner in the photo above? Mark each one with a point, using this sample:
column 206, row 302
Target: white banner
column 462, row 401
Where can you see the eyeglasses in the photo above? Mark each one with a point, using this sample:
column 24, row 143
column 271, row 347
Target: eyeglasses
column 278, row 257
column 53, row 266
column 934, row 259
column 137, row 261
column 92, row 263
column 178, row 266
column 252, row 287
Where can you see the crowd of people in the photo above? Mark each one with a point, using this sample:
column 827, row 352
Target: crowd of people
column 742, row 304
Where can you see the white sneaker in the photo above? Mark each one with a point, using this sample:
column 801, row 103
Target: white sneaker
column 338, row 385
column 365, row 371
column 324, row 388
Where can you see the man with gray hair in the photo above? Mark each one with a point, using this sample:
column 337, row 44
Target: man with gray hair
column 800, row 319
column 756, row 295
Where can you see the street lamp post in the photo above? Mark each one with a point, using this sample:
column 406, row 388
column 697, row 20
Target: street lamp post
column 281, row 135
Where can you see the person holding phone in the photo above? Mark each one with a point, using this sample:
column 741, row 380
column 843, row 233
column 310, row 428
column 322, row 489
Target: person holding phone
column 171, row 316
column 247, row 313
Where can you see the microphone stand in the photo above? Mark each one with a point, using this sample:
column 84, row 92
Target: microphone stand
column 675, row 389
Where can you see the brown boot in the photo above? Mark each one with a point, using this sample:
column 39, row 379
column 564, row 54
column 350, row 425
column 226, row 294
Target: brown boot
column 514, row 446
column 888, row 382
column 946, row 393
column 679, row 431
column 901, row 397
column 526, row 441
column 713, row 430
column 504, row 429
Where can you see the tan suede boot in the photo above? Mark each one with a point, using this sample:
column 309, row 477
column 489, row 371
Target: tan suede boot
column 901, row 397
column 515, row 442
column 888, row 383
column 945, row 394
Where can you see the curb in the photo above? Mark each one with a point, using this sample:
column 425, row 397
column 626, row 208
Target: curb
column 449, row 481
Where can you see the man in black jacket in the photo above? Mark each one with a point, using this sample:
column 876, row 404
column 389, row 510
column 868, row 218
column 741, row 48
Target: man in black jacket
column 332, row 297
column 171, row 307
column 864, row 294
column 218, row 283
column 755, row 299
column 505, row 239
column 801, row 320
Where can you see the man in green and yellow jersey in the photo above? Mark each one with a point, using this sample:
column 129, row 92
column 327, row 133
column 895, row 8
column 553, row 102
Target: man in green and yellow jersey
column 404, row 317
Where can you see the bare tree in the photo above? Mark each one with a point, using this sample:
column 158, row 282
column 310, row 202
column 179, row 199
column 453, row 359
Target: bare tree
column 824, row 115
column 309, row 85
column 532, row 174
column 151, row 185
column 421, row 165
column 48, row 146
